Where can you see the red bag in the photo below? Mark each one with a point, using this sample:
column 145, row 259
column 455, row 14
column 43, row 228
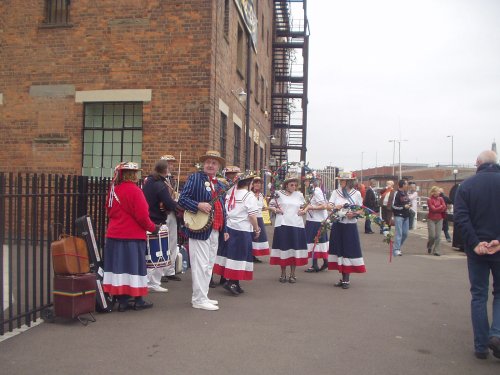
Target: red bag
column 70, row 255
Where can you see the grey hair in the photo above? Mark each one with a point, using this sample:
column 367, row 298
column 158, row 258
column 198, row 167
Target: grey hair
column 487, row 156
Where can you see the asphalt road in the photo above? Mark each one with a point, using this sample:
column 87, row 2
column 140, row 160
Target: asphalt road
column 408, row 316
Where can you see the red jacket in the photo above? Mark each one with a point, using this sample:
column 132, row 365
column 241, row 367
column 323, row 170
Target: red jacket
column 128, row 218
column 436, row 208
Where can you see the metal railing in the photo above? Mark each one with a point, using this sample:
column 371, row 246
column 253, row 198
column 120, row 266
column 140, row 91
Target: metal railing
column 35, row 210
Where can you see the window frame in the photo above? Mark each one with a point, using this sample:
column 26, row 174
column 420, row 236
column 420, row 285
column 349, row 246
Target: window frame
column 237, row 145
column 54, row 17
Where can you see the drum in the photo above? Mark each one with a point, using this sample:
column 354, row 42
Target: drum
column 157, row 254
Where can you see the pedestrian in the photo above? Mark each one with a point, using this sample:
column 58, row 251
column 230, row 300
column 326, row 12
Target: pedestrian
column 289, row 246
column 386, row 199
column 401, row 210
column 437, row 208
column 345, row 248
column 234, row 262
column 477, row 216
column 446, row 225
column 161, row 204
column 125, row 274
column 316, row 214
column 260, row 245
column 170, row 271
column 371, row 201
column 201, row 189
column 413, row 195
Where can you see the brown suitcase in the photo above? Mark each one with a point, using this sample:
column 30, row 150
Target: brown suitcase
column 70, row 255
column 74, row 295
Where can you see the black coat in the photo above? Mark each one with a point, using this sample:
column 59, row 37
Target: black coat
column 371, row 200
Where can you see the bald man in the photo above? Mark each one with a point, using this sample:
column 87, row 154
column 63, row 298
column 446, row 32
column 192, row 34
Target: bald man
column 477, row 216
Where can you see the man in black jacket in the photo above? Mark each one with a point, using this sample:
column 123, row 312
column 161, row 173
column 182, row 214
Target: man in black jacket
column 371, row 202
column 477, row 216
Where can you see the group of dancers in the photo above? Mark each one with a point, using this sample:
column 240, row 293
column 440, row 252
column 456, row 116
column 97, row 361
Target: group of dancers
column 234, row 233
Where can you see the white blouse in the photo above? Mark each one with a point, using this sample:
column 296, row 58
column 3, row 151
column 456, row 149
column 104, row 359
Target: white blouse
column 245, row 205
column 318, row 198
column 290, row 205
column 338, row 199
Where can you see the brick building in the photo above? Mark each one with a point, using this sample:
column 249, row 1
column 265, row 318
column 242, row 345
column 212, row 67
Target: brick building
column 86, row 84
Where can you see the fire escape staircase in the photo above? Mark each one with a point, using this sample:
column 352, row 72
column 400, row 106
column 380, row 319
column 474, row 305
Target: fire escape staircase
column 289, row 84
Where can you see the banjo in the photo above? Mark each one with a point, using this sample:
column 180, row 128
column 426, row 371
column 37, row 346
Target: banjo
column 200, row 221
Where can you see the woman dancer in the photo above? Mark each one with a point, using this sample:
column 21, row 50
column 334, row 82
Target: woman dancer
column 345, row 248
column 289, row 241
column 260, row 246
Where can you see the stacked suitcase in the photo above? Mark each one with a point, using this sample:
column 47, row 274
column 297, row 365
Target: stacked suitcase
column 74, row 286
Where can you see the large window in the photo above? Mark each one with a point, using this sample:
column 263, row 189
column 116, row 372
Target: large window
column 237, row 144
column 226, row 18
column 255, row 156
column 57, row 12
column 223, row 134
column 241, row 53
column 112, row 133
column 261, row 158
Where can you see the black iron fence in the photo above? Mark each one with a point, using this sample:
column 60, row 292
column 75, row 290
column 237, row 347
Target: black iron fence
column 35, row 210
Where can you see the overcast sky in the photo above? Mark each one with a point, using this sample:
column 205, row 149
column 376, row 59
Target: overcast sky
column 400, row 69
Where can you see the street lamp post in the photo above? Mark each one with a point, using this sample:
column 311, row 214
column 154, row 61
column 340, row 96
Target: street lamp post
column 393, row 153
column 452, row 161
column 399, row 145
column 362, row 152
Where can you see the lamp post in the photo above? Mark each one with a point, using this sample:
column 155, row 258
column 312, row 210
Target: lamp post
column 362, row 152
column 399, row 146
column 393, row 153
column 452, row 161
column 455, row 172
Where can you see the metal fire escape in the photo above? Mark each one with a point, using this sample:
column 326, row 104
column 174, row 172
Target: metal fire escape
column 289, row 84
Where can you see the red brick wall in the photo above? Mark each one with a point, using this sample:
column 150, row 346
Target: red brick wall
column 166, row 46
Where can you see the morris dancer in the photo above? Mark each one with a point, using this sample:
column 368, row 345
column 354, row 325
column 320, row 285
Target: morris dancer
column 161, row 205
column 234, row 262
column 125, row 248
column 316, row 214
column 345, row 248
column 198, row 191
column 260, row 246
column 289, row 241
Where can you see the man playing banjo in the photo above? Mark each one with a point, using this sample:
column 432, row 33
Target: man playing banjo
column 200, row 196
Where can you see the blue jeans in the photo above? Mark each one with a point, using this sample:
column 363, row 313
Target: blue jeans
column 402, row 226
column 479, row 276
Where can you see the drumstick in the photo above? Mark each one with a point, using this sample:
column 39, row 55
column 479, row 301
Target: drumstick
column 179, row 173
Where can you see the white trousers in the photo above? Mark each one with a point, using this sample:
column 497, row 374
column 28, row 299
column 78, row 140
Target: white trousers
column 172, row 244
column 202, row 256
column 154, row 276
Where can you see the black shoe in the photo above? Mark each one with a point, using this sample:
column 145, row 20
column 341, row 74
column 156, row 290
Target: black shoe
column 325, row 266
column 174, row 278
column 141, row 305
column 256, row 260
column 232, row 288
column 212, row 284
column 164, row 279
column 369, row 232
column 312, row 269
column 437, row 254
column 345, row 284
column 481, row 355
column 239, row 289
column 494, row 345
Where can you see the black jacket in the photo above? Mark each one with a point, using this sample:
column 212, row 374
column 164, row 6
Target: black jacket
column 159, row 199
column 477, row 209
column 371, row 200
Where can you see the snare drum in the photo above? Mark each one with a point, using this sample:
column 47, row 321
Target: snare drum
column 157, row 254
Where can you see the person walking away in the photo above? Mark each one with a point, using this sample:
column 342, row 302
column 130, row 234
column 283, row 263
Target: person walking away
column 344, row 252
column 446, row 225
column 413, row 195
column 401, row 210
column 477, row 216
column 371, row 201
column 198, row 192
column 434, row 221
column 125, row 274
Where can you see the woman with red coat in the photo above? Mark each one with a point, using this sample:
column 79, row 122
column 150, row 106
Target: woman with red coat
column 437, row 207
column 125, row 273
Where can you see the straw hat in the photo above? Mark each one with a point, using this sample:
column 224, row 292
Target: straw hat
column 232, row 169
column 346, row 175
column 128, row 165
column 168, row 157
column 211, row 154
column 291, row 177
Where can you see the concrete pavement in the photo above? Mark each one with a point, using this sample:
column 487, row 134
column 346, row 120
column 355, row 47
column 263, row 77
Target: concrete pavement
column 410, row 316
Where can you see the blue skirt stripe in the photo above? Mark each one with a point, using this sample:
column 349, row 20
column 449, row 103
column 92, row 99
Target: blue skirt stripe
column 312, row 228
column 125, row 256
column 287, row 238
column 344, row 241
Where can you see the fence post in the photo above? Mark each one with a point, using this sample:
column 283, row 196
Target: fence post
column 82, row 198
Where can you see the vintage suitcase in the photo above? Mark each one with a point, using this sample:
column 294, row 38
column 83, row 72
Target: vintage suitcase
column 85, row 230
column 69, row 255
column 74, row 296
